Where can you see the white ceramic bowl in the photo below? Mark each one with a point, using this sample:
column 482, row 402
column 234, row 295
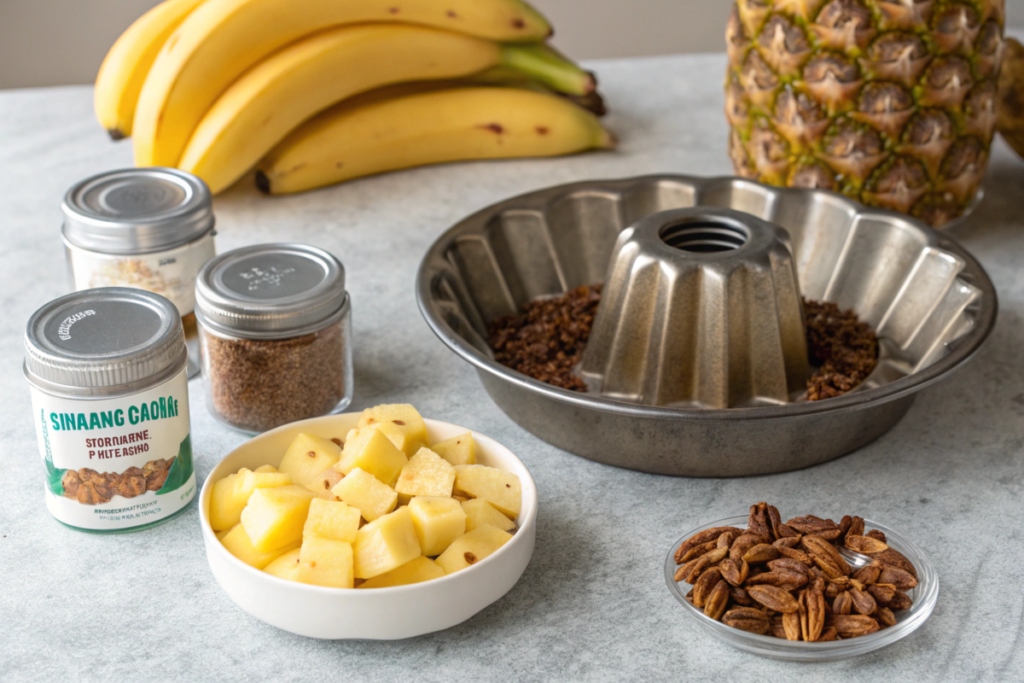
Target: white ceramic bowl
column 375, row 614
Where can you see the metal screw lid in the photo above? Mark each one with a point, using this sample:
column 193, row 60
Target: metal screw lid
column 270, row 291
column 137, row 210
column 101, row 338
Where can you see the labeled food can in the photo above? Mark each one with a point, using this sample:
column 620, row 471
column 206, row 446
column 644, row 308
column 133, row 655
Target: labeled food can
column 107, row 371
column 149, row 228
column 275, row 331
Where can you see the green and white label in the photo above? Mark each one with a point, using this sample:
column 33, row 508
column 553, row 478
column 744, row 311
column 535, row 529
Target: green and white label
column 116, row 463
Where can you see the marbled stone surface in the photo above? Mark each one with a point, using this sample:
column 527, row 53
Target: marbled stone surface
column 592, row 604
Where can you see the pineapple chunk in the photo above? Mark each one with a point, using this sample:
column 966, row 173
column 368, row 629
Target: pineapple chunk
column 364, row 492
column 231, row 494
column 371, row 452
column 385, row 544
column 479, row 512
column 499, row 488
column 438, row 522
column 417, row 571
column 286, row 566
column 473, row 547
column 238, row 544
column 401, row 423
column 335, row 521
column 325, row 562
column 265, row 469
column 325, row 481
column 274, row 517
column 308, row 456
column 458, row 450
column 427, row 474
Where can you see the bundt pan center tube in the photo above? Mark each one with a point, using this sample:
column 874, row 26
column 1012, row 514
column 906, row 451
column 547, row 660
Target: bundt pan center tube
column 696, row 363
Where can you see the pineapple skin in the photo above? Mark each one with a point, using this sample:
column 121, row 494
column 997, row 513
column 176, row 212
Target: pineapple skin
column 891, row 102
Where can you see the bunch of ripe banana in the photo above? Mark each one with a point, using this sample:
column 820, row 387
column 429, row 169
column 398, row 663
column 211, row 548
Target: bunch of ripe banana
column 313, row 92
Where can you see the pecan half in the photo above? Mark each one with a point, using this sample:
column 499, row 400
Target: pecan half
column 885, row 617
column 787, row 542
column 706, row 560
column 882, row 593
column 725, row 540
column 757, row 521
column 863, row 603
column 798, row 555
column 815, row 611
column 717, row 601
column 829, row 634
column 854, row 625
column 742, row 544
column 900, row 601
column 773, row 598
column 869, row 573
column 809, row 524
column 786, row 580
column 747, row 619
column 821, row 550
column 857, row 528
column 778, row 528
column 696, row 551
column 739, row 596
column 843, row 604
column 735, row 574
column 897, row 577
column 791, row 565
column 877, row 535
column 894, row 558
column 776, row 628
column 865, row 544
column 760, row 554
column 705, row 584
column 701, row 537
column 791, row 625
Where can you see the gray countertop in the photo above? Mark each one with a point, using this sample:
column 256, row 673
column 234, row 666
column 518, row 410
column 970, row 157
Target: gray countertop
column 592, row 604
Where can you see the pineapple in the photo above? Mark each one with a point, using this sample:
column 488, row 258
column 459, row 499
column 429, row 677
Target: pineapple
column 372, row 452
column 417, row 571
column 286, row 566
column 479, row 512
column 438, row 522
column 325, row 562
column 426, row 474
column 891, row 102
column 364, row 492
column 473, row 547
column 458, row 450
column 385, row 544
column 498, row 487
column 336, row 521
column 274, row 518
column 231, row 494
column 325, row 481
column 238, row 544
column 308, row 456
column 401, row 423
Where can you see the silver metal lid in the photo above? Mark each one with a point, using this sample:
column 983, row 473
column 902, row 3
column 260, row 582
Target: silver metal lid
column 137, row 211
column 270, row 291
column 102, row 338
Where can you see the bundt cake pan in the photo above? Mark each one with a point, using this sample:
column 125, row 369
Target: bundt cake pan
column 930, row 302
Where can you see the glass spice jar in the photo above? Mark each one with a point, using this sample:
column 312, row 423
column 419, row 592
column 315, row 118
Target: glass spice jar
column 148, row 228
column 274, row 335
column 109, row 390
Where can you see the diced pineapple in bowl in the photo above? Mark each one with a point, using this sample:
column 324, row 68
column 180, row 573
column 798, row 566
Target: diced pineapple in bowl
column 376, row 525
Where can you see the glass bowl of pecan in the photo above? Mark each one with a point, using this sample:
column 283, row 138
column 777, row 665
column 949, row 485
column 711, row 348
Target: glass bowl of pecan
column 808, row 589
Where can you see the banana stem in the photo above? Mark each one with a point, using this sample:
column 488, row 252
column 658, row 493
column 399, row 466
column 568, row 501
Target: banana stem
column 545, row 65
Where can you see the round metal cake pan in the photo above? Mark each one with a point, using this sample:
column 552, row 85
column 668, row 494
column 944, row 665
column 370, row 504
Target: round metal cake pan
column 930, row 302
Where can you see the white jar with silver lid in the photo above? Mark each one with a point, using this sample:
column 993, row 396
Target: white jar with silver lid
column 275, row 335
column 107, row 371
column 149, row 228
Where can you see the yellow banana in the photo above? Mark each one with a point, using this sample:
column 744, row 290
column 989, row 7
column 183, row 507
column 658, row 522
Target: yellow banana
column 290, row 86
column 125, row 67
column 348, row 141
column 221, row 39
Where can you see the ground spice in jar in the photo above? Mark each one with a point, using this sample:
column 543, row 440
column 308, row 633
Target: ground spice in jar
column 258, row 384
column 275, row 335
column 842, row 348
column 547, row 340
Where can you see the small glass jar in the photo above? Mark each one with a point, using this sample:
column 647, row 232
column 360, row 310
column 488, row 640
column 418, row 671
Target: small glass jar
column 274, row 335
column 107, row 371
column 149, row 228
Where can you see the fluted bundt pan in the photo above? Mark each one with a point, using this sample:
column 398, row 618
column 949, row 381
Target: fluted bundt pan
column 697, row 361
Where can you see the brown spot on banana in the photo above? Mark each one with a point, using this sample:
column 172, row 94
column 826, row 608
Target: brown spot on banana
column 495, row 128
column 394, row 10
column 542, row 130
column 518, row 23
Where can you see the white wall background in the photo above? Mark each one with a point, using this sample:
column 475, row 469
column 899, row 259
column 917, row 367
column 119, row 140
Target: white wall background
column 59, row 42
